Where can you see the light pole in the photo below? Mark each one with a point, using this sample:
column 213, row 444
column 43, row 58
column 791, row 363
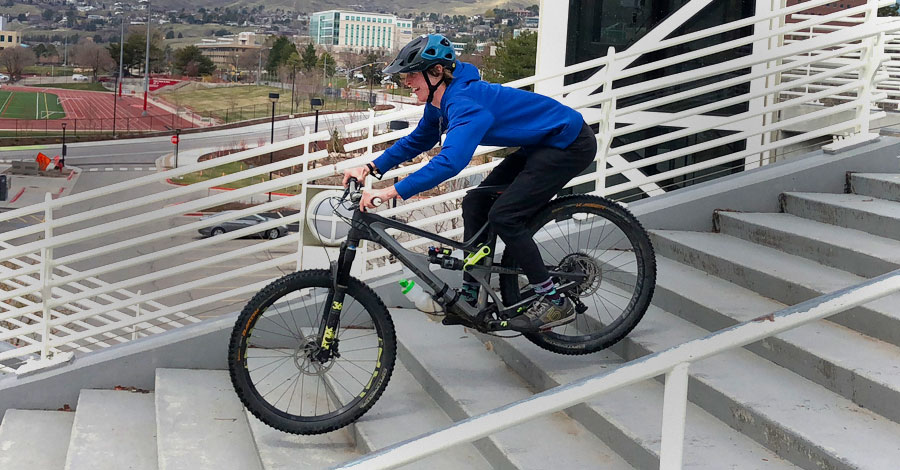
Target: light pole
column 62, row 162
column 273, row 97
column 316, row 103
column 117, row 92
column 147, row 61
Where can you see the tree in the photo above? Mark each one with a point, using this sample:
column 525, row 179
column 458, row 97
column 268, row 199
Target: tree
column 515, row 59
column 135, row 46
column 308, row 59
column 15, row 59
column 372, row 72
column 180, row 35
column 48, row 14
column 39, row 50
column 890, row 10
column 282, row 48
column 95, row 56
column 190, row 61
column 327, row 62
column 170, row 34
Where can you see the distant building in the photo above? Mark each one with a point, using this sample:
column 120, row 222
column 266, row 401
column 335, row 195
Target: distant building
column 8, row 38
column 343, row 30
column 532, row 21
column 224, row 51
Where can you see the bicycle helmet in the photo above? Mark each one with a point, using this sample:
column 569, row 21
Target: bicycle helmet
column 421, row 54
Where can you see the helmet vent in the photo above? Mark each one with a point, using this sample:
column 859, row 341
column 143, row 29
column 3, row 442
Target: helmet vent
column 430, row 51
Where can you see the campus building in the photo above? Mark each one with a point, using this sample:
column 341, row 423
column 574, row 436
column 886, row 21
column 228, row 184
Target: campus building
column 343, row 30
column 224, row 51
column 8, row 38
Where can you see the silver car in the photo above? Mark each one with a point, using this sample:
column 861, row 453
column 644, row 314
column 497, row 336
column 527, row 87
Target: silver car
column 239, row 223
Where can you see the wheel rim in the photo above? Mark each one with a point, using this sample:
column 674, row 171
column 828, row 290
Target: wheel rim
column 217, row 231
column 580, row 238
column 279, row 356
column 273, row 234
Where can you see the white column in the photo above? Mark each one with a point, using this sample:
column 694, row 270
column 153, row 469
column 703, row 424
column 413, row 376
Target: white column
column 551, row 46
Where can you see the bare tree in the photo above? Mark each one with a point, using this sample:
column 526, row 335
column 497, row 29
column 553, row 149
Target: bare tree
column 15, row 59
column 89, row 54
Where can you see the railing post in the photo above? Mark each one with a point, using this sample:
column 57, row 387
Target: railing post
column 371, row 140
column 872, row 56
column 301, row 224
column 137, row 315
column 607, row 125
column 46, row 277
column 674, row 410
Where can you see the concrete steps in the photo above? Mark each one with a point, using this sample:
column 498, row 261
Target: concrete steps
column 466, row 379
column 879, row 185
column 822, row 396
column 113, row 430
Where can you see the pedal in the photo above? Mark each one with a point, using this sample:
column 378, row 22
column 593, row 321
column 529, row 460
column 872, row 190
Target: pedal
column 452, row 320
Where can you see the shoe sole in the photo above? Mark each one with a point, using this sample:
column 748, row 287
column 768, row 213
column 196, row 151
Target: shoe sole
column 554, row 324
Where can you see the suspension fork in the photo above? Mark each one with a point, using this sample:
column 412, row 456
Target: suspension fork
column 340, row 270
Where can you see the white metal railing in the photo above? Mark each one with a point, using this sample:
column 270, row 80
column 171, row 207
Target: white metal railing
column 56, row 300
column 673, row 362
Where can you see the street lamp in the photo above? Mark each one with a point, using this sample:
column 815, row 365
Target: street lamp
column 147, row 60
column 62, row 162
column 273, row 97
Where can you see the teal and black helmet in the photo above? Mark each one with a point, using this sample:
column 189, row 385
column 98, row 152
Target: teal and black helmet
column 422, row 53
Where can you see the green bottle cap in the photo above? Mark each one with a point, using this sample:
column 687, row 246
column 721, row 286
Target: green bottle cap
column 407, row 285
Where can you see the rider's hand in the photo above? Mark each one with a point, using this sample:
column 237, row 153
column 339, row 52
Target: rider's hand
column 359, row 173
column 383, row 194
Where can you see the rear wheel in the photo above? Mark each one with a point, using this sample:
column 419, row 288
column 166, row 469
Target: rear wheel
column 604, row 243
column 276, row 361
column 217, row 231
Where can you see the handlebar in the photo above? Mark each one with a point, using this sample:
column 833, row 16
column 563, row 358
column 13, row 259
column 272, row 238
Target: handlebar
column 354, row 191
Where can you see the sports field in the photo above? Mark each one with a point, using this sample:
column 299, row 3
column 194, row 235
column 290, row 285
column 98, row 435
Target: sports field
column 30, row 105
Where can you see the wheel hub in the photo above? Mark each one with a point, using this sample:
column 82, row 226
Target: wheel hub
column 587, row 265
column 306, row 358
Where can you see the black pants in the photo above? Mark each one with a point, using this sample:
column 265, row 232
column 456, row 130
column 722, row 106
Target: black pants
column 534, row 176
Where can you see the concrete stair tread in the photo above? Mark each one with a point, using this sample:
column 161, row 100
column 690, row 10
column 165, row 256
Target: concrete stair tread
column 771, row 225
column 404, row 411
column 284, row 451
column 113, row 430
column 201, row 422
column 635, row 412
column 844, row 360
column 35, row 439
column 786, row 278
column 858, row 202
column 789, row 413
column 467, row 380
column 880, row 185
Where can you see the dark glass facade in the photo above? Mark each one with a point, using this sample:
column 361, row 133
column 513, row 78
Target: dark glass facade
column 595, row 25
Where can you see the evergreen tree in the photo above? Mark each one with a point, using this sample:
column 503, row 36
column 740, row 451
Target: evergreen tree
column 308, row 59
column 515, row 59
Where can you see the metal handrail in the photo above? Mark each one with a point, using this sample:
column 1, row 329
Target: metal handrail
column 674, row 362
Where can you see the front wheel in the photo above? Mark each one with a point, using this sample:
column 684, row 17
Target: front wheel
column 276, row 360
column 611, row 252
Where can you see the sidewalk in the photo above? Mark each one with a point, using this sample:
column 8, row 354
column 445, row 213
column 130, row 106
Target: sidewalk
column 27, row 190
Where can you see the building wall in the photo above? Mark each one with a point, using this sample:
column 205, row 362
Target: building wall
column 360, row 31
column 10, row 39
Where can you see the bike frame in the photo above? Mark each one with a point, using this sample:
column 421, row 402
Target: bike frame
column 373, row 227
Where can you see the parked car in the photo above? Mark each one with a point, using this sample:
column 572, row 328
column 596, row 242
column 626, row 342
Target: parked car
column 239, row 223
column 79, row 78
column 4, row 78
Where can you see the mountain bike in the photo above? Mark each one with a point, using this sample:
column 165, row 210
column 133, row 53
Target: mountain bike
column 312, row 351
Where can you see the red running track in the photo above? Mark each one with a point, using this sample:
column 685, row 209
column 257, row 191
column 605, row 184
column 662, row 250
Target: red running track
column 92, row 111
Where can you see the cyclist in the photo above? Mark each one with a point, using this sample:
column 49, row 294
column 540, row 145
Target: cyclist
column 555, row 146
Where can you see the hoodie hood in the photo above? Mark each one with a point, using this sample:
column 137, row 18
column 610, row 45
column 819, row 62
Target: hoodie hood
column 465, row 73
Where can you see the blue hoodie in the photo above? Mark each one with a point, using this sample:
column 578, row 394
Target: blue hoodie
column 474, row 112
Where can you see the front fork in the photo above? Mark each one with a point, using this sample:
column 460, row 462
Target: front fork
column 340, row 273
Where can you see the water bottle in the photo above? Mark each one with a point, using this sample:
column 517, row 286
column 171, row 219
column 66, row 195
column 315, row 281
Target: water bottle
column 421, row 299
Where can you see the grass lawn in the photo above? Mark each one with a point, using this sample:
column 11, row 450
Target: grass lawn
column 30, row 105
column 228, row 169
column 77, row 86
column 239, row 103
column 48, row 70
